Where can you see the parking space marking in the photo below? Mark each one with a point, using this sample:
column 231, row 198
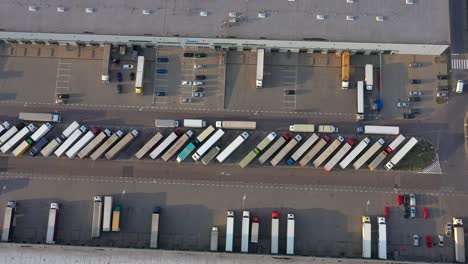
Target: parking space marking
column 63, row 78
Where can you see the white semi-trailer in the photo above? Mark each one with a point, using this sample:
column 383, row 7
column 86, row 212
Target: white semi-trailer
column 229, row 230
column 236, row 124
column 69, row 141
column 41, row 132
column 97, row 216
column 459, row 237
column 366, row 237
column 154, row 228
column 328, row 151
column 39, row 117
column 9, row 133
column 71, row 153
column 245, row 231
column 314, row 151
column 395, row 143
column 401, row 153
column 70, row 129
column 194, row 123
column 96, row 142
column 274, row 232
column 274, row 148
column 290, row 235
column 379, row 130
column 369, row 76
column 107, row 214
column 232, row 147
column 285, row 150
column 208, row 144
column 149, row 145
column 8, row 220
column 354, row 153
column 368, row 154
column 4, row 126
column 177, row 145
column 360, row 101
column 302, row 149
column 51, row 224
column 260, row 63
column 339, row 155
column 15, row 140
column 165, row 144
column 382, row 238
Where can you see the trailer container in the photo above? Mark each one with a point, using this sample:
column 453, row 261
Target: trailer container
column 254, row 231
column 260, row 62
column 382, row 238
column 401, row 153
column 328, row 151
column 122, row 144
column 285, row 150
column 204, row 135
column 177, row 145
column 245, row 232
column 259, row 148
column 314, row 151
column 8, row 220
column 377, row 160
column 106, row 145
column 459, row 237
column 9, row 133
column 186, row 152
column 51, row 224
column 116, row 218
column 166, row 143
column 52, row 146
column 327, row 129
column 274, row 148
column 97, row 217
column 236, row 124
column 229, row 230
column 302, row 149
column 107, row 214
column 207, row 145
column 232, row 147
column 155, row 228
column 274, row 232
column 22, row 147
column 70, row 129
column 290, row 235
column 166, row 123
column 214, row 238
column 379, row 130
column 15, row 140
column 192, row 145
column 354, row 153
column 339, row 155
column 38, row 147
column 360, row 101
column 369, row 76
column 298, row 128
column 366, row 237
column 194, row 123
column 345, row 70
column 149, row 145
column 41, row 131
column 4, row 127
column 210, row 155
column 395, row 143
column 69, row 141
column 39, row 117
column 368, row 154
column 96, row 142
column 71, row 153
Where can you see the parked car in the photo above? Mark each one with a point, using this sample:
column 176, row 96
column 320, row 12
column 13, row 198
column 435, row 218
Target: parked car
column 408, row 116
column 414, row 99
column 185, row 100
column 443, row 88
column 415, row 240
column 412, row 212
column 116, row 61
column 415, row 81
column 199, row 89
column 425, row 213
column 442, row 77
column 127, row 66
column 428, row 241
column 442, row 94
column 289, row 92
column 186, row 82
column 163, row 59
column 412, row 198
column 441, row 240
column 161, row 71
column 200, row 77
column 118, row 89
column 414, row 111
column 63, row 96
column 160, row 93
column 399, row 199
column 132, row 76
column 406, row 212
column 448, row 229
column 402, row 104
column 195, row 94
column 119, row 77
column 196, row 83
column 199, row 66
column 419, row 93
column 406, row 200
column 188, row 54
column 387, row 212
column 200, row 55
column 415, row 64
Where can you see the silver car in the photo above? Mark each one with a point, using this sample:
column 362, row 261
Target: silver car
column 402, row 104
column 412, row 212
column 195, row 94
column 441, row 240
column 197, row 83
column 198, row 66
column 416, row 240
column 185, row 100
column 418, row 93
column 412, row 198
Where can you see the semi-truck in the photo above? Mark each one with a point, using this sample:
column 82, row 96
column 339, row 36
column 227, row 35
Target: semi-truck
column 354, row 153
column 149, row 145
column 70, row 140
column 155, row 228
column 8, row 220
column 314, row 151
column 328, row 152
column 107, row 214
column 165, row 144
column 377, row 160
column 369, row 76
column 290, row 235
column 366, row 237
column 274, row 232
column 37, row 148
column 96, row 142
column 382, row 238
column 309, row 128
column 71, row 153
column 40, row 117
column 52, row 146
column 368, row 154
column 122, row 144
column 360, row 101
column 236, row 124
column 379, row 130
column 285, row 150
column 22, row 147
column 9, row 133
column 254, row 230
column 232, row 147
column 229, row 230
column 51, row 224
column 193, row 145
column 97, row 217
column 259, row 148
column 22, row 134
column 214, row 238
column 4, row 127
column 210, row 155
column 395, row 143
column 302, row 149
column 345, row 70
column 459, row 237
column 177, row 145
column 106, row 145
column 401, row 153
column 339, row 155
column 260, row 63
column 166, row 123
column 245, row 231
column 194, row 123
column 70, row 129
column 207, row 145
column 116, row 219
column 41, row 132
column 274, row 148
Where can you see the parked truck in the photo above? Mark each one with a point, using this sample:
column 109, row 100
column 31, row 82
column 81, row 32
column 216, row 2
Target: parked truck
column 302, row 149
column 260, row 63
column 214, row 238
column 15, row 140
column 116, row 219
column 37, row 148
column 71, row 153
column 194, row 123
column 95, row 143
column 97, row 217
column 459, row 237
column 290, row 235
column 311, row 128
column 366, row 237
column 345, row 70
column 52, row 146
column 236, row 124
column 165, row 144
column 368, row 154
column 22, row 147
column 177, row 145
column 328, row 151
column 122, row 144
column 360, row 101
column 259, row 148
column 274, row 148
column 107, row 214
column 382, row 238
column 314, row 151
column 401, row 153
column 379, row 130
column 41, row 132
column 51, row 224
column 229, row 230
column 69, row 141
column 8, row 220
column 4, row 127
column 274, row 232
column 377, row 160
column 193, row 145
column 354, row 153
column 149, row 145
column 106, row 145
column 254, row 232
column 10, row 133
column 39, row 117
column 155, row 228
column 232, row 147
column 285, row 150
column 339, row 155
column 210, row 155
column 166, row 123
column 395, row 143
column 245, row 232
column 369, row 76
column 70, row 129
column 207, row 145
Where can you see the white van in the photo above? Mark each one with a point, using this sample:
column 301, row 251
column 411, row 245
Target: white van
column 460, row 84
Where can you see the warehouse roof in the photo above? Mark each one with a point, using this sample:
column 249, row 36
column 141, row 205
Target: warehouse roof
column 424, row 22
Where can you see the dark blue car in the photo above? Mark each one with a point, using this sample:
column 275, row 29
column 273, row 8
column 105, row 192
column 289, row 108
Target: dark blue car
column 161, row 70
column 163, row 59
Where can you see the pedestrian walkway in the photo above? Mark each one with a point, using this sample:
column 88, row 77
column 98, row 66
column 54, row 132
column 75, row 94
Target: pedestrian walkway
column 434, row 168
column 459, row 61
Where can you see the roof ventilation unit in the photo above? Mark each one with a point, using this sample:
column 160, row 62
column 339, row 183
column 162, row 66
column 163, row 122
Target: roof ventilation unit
column 350, row 18
column 32, row 8
column 60, row 9
column 89, row 10
column 146, row 12
column 203, row 13
column 320, row 17
column 261, row 15
column 379, row 18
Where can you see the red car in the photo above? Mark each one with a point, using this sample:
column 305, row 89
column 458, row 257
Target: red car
column 428, row 241
column 399, row 199
column 387, row 212
column 425, row 213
